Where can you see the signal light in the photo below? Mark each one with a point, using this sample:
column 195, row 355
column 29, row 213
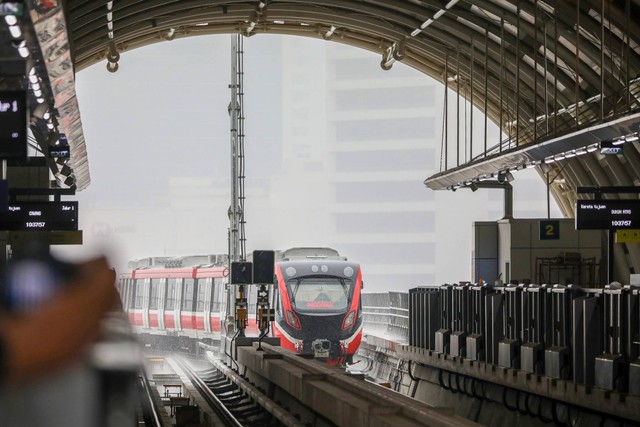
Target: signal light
column 263, row 263
column 292, row 320
column 349, row 320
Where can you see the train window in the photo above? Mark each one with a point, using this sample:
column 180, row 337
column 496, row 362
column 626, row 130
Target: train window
column 276, row 297
column 122, row 289
column 128, row 301
column 139, row 293
column 155, row 294
column 131, row 296
column 188, row 293
column 201, row 294
column 170, row 302
column 218, row 288
column 314, row 294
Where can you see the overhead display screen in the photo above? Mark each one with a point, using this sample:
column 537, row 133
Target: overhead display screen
column 607, row 214
column 43, row 216
column 13, row 125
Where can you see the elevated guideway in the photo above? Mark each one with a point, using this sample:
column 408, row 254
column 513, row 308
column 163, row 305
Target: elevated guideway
column 324, row 395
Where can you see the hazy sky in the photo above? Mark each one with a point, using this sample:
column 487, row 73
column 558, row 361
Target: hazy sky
column 157, row 135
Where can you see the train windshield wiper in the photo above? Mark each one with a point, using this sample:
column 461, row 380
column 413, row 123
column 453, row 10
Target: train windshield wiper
column 294, row 291
column 346, row 290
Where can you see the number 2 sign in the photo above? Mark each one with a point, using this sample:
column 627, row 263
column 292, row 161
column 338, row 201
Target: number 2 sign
column 549, row 230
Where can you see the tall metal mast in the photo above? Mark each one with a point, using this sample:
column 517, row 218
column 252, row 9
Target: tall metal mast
column 237, row 238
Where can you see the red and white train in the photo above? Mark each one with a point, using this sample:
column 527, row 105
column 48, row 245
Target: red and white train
column 317, row 300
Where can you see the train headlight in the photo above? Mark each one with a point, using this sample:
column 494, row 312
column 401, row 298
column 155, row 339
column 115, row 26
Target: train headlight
column 290, row 271
column 349, row 320
column 292, row 320
column 348, row 271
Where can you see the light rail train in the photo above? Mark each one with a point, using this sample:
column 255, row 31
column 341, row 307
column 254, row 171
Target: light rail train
column 317, row 300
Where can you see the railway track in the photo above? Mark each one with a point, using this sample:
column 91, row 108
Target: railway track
column 235, row 401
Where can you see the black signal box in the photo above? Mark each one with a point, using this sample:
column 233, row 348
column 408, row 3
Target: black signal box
column 263, row 267
column 241, row 273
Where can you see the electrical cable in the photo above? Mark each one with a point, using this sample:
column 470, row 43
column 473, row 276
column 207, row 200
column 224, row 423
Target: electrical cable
column 441, row 379
column 569, row 418
column 460, row 389
column 410, row 374
column 262, row 335
column 539, row 412
column 554, row 415
column 473, row 389
column 451, row 384
column 228, row 355
column 504, row 400
column 468, row 380
column 520, row 410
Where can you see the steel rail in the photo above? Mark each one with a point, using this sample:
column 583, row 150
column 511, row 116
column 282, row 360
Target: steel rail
column 149, row 408
column 223, row 412
column 276, row 410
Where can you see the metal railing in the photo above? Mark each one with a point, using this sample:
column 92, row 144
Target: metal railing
column 387, row 314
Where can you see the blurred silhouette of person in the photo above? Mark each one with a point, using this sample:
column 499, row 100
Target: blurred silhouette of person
column 42, row 341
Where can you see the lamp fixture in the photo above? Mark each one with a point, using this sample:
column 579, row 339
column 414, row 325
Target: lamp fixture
column 437, row 15
column 505, row 177
column 15, row 31
column 426, row 23
column 329, row 33
column 11, row 19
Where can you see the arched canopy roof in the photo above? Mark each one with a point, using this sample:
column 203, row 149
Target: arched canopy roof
column 547, row 72
column 503, row 39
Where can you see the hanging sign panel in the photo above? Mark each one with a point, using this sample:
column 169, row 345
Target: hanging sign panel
column 607, row 214
column 40, row 216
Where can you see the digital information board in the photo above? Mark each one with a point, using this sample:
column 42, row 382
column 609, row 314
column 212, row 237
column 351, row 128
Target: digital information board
column 41, row 216
column 13, row 124
column 607, row 214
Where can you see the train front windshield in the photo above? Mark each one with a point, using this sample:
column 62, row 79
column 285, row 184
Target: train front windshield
column 320, row 294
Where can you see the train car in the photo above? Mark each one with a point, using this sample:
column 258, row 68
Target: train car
column 318, row 305
column 177, row 297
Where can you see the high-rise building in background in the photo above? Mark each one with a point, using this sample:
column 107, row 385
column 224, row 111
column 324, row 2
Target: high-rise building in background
column 382, row 135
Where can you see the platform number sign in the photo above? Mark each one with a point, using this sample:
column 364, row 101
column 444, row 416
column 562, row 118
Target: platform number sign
column 550, row 230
